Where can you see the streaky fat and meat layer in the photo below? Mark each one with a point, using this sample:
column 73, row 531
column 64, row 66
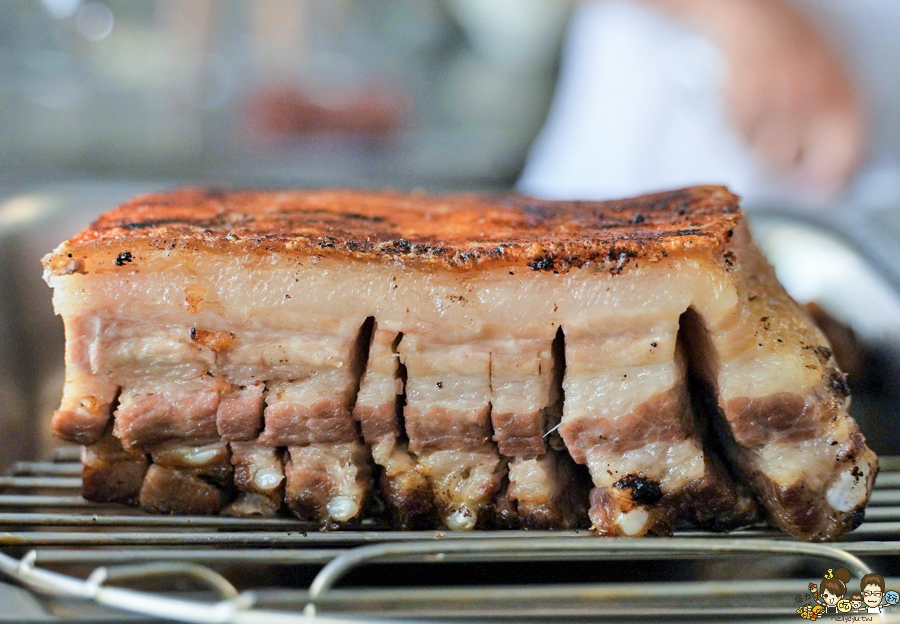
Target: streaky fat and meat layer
column 628, row 417
column 543, row 489
column 447, row 417
column 84, row 410
column 379, row 410
column 477, row 356
column 788, row 431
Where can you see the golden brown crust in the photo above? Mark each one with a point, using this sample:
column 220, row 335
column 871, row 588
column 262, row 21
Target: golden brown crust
column 454, row 231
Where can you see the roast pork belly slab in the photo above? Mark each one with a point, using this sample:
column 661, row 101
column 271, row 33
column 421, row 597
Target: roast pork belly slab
column 463, row 361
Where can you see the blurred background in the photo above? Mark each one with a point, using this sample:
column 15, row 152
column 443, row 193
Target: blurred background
column 795, row 99
column 443, row 94
column 795, row 104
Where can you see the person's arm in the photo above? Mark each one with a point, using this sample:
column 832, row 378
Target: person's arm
column 787, row 93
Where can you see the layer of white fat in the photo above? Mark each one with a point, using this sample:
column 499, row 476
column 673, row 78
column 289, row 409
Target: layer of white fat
column 767, row 345
column 289, row 293
column 128, row 353
column 633, row 522
column 765, row 370
column 344, row 463
column 312, row 388
column 167, row 391
column 611, row 373
column 616, row 393
column 534, row 480
column 522, row 375
column 191, row 456
column 267, row 354
column 451, row 377
column 671, row 464
column 850, row 488
column 463, row 481
column 816, row 464
column 810, row 461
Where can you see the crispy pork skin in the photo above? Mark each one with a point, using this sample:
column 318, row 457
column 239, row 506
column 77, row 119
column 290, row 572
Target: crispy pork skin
column 478, row 360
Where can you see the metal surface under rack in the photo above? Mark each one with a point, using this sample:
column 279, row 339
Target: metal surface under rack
column 216, row 569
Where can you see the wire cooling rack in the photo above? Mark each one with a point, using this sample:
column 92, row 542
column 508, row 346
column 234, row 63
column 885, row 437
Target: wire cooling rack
column 86, row 561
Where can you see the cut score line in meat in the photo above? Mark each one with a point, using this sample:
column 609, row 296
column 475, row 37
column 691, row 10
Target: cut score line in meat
column 468, row 361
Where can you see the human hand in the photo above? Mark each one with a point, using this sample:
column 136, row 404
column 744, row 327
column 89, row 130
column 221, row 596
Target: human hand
column 787, row 94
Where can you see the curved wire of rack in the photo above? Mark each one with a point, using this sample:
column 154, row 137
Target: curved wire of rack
column 238, row 607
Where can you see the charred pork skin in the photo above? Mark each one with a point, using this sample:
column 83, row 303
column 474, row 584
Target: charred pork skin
column 467, row 360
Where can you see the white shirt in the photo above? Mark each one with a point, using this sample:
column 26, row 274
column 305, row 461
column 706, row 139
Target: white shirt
column 637, row 109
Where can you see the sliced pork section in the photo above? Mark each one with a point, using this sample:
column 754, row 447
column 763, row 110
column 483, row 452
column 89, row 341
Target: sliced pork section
column 541, row 488
column 258, row 478
column 87, row 400
column 638, row 438
column 378, row 409
column 327, row 483
column 239, row 412
column 447, row 415
column 781, row 405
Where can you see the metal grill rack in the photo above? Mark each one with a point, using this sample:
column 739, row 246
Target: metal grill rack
column 82, row 560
